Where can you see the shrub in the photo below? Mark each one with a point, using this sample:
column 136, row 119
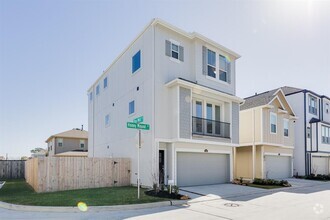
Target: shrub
column 258, row 181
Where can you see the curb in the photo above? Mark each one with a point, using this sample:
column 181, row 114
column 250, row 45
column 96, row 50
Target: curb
column 91, row 208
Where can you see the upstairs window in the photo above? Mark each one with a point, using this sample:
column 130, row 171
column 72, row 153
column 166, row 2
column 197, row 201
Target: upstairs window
column 90, row 96
column 97, row 89
column 136, row 61
column 325, row 135
column 82, row 143
column 308, row 132
column 105, row 82
column 60, row 142
column 211, row 64
column 286, row 127
column 131, row 107
column 224, row 66
column 216, row 65
column 312, row 105
column 327, row 108
column 174, row 50
column 273, row 123
column 107, row 120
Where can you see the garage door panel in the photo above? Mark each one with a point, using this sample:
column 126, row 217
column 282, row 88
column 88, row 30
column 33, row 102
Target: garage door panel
column 202, row 168
column 278, row 167
column 320, row 165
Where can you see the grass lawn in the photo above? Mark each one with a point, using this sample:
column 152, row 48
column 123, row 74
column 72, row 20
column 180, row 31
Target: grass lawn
column 262, row 186
column 19, row 192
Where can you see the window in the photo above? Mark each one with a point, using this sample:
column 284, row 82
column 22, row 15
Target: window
column 175, row 51
column 90, row 96
column 131, row 107
column 209, row 116
column 97, row 89
column 223, row 68
column 325, row 135
column 327, row 108
column 211, row 68
column 82, row 143
column 136, row 61
column 312, row 105
column 105, row 82
column 308, row 132
column 107, row 120
column 286, row 127
column 273, row 122
column 60, row 142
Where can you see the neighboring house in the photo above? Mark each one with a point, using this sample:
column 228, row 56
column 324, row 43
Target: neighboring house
column 266, row 137
column 2, row 158
column 312, row 150
column 184, row 86
column 40, row 154
column 72, row 140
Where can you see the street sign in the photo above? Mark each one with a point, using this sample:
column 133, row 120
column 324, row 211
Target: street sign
column 131, row 125
column 138, row 120
column 143, row 126
column 138, row 126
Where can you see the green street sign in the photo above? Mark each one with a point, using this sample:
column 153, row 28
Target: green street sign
column 143, row 126
column 131, row 125
column 138, row 126
column 138, row 120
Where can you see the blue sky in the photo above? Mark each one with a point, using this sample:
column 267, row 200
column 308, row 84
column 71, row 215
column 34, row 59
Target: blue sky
column 52, row 51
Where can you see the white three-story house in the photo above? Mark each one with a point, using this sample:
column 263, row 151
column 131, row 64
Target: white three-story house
column 183, row 84
column 312, row 151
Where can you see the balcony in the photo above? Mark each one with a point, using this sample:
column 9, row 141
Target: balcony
column 206, row 127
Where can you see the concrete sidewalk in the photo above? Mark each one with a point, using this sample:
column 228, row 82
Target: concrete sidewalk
column 91, row 208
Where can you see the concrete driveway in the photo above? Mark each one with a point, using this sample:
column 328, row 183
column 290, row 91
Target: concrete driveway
column 243, row 193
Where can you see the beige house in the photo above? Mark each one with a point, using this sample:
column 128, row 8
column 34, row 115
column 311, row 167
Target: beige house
column 68, row 142
column 266, row 137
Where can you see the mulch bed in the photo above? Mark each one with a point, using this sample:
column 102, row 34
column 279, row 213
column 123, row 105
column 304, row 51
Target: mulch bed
column 165, row 194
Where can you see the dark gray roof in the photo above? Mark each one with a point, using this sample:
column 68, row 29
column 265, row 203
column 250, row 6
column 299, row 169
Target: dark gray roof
column 289, row 90
column 258, row 100
column 265, row 97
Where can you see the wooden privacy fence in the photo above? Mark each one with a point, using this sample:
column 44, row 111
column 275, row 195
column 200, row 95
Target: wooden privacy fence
column 12, row 169
column 52, row 174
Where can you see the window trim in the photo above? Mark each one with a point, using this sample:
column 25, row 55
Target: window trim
column 285, row 120
column 215, row 62
column 97, row 90
column 308, row 132
column 270, row 122
column 107, row 120
column 82, row 142
column 133, row 72
column 310, row 98
column 60, row 140
column 133, row 113
column 325, row 134
column 223, row 70
column 105, row 85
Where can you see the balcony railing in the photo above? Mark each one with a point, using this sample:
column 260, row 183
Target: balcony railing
column 202, row 126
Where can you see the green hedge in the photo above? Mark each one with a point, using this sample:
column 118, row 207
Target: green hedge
column 271, row 182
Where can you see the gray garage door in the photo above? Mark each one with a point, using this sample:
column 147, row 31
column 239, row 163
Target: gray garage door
column 195, row 169
column 320, row 165
column 278, row 167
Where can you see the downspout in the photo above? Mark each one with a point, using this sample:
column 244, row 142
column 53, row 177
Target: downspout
column 305, row 136
column 254, row 145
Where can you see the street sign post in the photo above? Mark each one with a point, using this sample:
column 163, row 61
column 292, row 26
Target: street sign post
column 136, row 124
column 138, row 120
